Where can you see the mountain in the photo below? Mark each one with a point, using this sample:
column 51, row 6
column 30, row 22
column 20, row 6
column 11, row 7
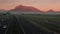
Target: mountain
column 25, row 9
column 50, row 10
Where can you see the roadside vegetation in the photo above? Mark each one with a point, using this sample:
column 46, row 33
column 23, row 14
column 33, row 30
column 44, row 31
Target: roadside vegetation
column 52, row 22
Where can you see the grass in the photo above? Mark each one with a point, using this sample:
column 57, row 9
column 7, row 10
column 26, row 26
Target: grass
column 36, row 19
column 55, row 18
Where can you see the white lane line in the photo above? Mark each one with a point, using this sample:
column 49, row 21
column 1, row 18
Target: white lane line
column 18, row 28
column 7, row 28
column 20, row 24
column 11, row 31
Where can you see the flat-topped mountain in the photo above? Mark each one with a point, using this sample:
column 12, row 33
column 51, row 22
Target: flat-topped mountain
column 25, row 9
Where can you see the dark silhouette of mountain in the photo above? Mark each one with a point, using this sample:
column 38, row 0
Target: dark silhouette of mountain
column 26, row 9
column 50, row 10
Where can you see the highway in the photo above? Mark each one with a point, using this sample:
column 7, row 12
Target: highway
column 14, row 27
column 20, row 25
column 30, row 28
column 4, row 24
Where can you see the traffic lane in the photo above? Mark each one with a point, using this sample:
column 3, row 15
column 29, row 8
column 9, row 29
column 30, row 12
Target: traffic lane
column 29, row 28
column 2, row 31
column 4, row 25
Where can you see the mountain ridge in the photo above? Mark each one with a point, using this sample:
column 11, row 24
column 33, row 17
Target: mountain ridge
column 25, row 9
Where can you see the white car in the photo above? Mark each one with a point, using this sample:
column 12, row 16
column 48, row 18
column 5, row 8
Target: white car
column 4, row 26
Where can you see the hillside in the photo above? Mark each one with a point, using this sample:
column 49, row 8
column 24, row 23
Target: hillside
column 22, row 8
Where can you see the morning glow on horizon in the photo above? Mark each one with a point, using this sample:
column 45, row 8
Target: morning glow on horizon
column 40, row 4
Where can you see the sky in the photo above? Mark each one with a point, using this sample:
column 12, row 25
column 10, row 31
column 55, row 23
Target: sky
column 39, row 4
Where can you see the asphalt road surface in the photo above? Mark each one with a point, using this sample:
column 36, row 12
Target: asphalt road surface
column 4, row 24
column 29, row 28
column 20, row 25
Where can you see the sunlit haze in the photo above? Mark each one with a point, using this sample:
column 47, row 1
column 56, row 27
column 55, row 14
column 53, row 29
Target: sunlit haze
column 39, row 4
